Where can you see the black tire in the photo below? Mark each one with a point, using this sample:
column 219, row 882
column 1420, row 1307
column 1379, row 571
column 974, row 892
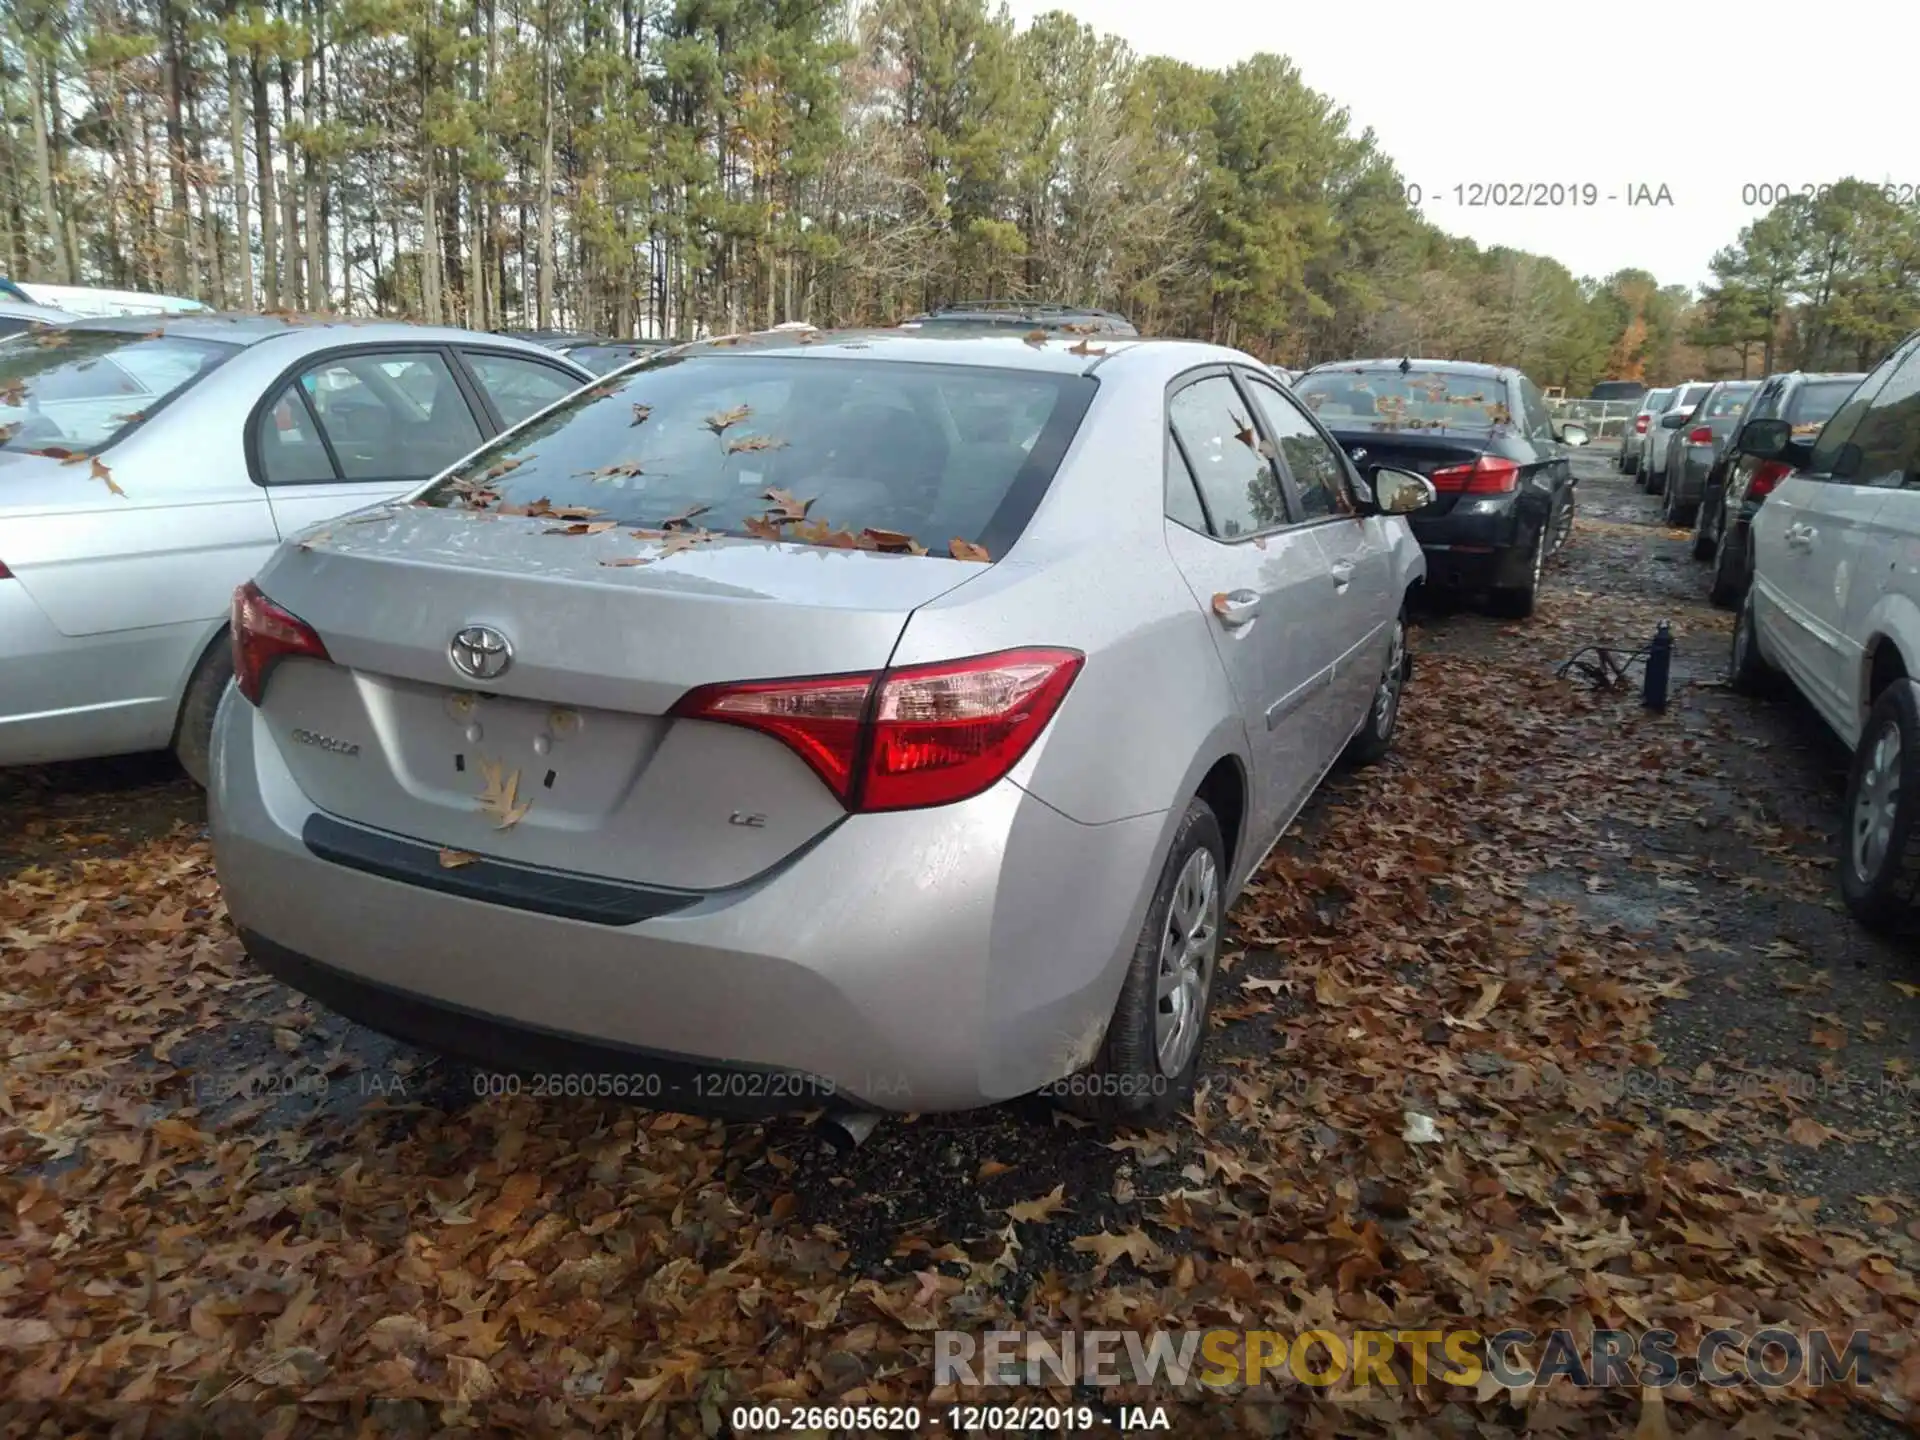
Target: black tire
column 1880, row 881
column 193, row 731
column 1703, row 541
column 1375, row 739
column 1517, row 602
column 1678, row 512
column 1631, row 464
column 1747, row 669
column 1729, row 583
column 1656, row 482
column 1126, row 1083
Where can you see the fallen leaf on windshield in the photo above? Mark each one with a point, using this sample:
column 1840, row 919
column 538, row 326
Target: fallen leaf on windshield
column 1035, row 338
column 6, row 433
column 626, row 560
column 500, row 798
column 606, row 389
column 892, row 540
column 762, row 527
column 640, row 414
column 785, row 506
column 967, row 550
column 583, row 527
column 101, row 472
column 684, row 518
column 572, row 512
column 454, row 859
column 680, row 540
column 607, row 472
column 1243, row 432
column 1083, row 348
column 754, row 442
column 315, row 539
column 720, row 421
column 14, row 393
column 502, row 468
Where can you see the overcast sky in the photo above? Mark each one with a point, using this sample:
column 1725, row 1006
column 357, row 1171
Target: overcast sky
column 1538, row 93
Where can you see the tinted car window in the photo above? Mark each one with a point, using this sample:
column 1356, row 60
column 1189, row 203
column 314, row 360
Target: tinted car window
column 1416, row 400
column 1766, row 403
column 929, row 451
column 391, row 416
column 1217, row 432
column 1316, row 469
column 82, row 390
column 289, row 446
column 1838, row 432
column 1815, row 403
column 1728, row 401
column 1885, row 447
column 519, row 387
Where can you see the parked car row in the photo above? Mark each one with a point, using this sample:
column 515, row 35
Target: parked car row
column 1814, row 532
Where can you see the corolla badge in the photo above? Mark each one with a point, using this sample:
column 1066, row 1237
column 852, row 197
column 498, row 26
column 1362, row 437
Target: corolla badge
column 326, row 742
column 480, row 651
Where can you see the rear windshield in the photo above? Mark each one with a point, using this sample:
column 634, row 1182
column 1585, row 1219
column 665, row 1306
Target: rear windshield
column 1416, row 400
column 1813, row 404
column 75, row 389
column 1730, row 401
column 1656, row 400
column 1690, row 397
column 726, row 443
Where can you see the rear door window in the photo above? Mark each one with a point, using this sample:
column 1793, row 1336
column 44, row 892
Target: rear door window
column 517, row 386
column 1815, row 403
column 1215, row 428
column 390, row 416
column 289, row 444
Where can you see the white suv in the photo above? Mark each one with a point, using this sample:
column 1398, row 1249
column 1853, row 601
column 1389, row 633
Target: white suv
column 1835, row 603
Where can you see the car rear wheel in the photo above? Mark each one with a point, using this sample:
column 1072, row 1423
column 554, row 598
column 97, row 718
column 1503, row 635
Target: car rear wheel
column 1516, row 602
column 1563, row 525
column 1376, row 737
column 1880, row 853
column 193, row 731
column 1679, row 512
column 1747, row 669
column 1729, row 577
column 1703, row 540
column 1151, row 1054
column 1630, row 463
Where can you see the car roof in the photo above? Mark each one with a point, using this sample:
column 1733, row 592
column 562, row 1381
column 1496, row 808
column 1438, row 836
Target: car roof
column 247, row 329
column 1001, row 351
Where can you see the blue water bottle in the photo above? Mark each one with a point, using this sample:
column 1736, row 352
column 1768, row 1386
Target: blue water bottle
column 1653, row 693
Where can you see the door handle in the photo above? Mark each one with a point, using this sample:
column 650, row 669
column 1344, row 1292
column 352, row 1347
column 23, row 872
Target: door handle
column 1342, row 573
column 1236, row 607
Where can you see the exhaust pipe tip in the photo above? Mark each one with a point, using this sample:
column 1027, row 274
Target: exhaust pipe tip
column 847, row 1130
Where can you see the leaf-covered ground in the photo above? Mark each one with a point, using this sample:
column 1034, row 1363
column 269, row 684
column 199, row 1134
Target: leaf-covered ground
column 1596, row 948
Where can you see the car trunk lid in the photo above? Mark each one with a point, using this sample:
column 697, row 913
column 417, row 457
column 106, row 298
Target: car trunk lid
column 567, row 758
column 1421, row 451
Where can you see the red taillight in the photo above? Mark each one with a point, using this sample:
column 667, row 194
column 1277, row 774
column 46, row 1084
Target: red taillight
column 1766, row 475
column 1489, row 475
column 5, row 573
column 263, row 635
column 1640, row 424
column 905, row 738
column 1700, row 435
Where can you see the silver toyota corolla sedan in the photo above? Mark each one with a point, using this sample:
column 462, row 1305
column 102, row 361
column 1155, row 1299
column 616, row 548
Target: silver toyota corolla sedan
column 149, row 464
column 877, row 718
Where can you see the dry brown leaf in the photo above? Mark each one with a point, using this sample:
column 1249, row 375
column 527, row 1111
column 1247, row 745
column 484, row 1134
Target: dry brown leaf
column 504, row 467
column 1083, row 348
column 581, row 527
column 608, row 472
column 1134, row 1245
column 501, row 799
column 722, row 420
column 101, row 472
column 454, row 859
column 684, row 519
column 1035, row 338
column 762, row 527
column 626, row 561
column 640, row 414
column 990, row 1168
column 967, row 550
column 893, row 540
column 1030, row 1211
column 747, row 444
column 786, row 505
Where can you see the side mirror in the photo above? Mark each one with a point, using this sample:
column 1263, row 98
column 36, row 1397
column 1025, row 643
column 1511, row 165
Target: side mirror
column 1573, row 435
column 1401, row 492
column 1673, row 419
column 1764, row 439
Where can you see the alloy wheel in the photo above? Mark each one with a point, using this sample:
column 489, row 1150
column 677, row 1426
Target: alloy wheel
column 1188, row 947
column 1386, row 700
column 1876, row 803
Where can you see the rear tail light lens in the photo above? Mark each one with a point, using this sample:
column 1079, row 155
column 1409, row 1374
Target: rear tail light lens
column 1766, row 475
column 5, row 573
column 1489, row 475
column 1700, row 435
column 906, row 738
column 263, row 636
column 1640, row 424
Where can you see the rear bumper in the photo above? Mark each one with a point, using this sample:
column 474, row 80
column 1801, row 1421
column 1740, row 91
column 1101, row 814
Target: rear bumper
column 1484, row 551
column 923, row 960
column 74, row 697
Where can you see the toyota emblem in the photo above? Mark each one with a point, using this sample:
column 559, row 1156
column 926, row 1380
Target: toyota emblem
column 481, row 652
